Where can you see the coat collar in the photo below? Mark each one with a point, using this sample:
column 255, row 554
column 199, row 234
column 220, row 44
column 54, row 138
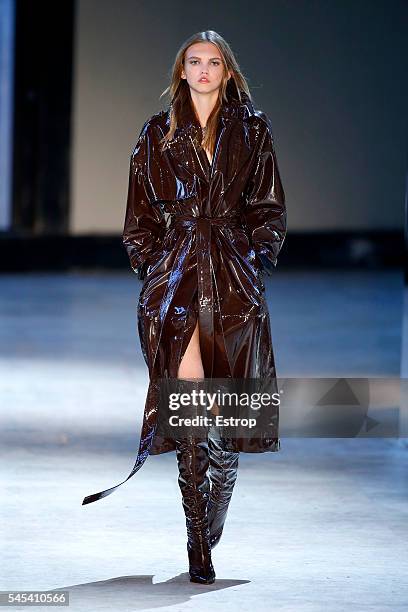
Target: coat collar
column 232, row 108
column 193, row 158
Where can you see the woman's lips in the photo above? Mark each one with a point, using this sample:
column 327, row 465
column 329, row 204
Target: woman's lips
column 204, row 80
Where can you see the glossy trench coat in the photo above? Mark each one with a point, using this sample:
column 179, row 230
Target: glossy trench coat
column 201, row 236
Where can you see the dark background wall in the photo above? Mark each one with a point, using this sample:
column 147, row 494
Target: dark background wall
column 43, row 52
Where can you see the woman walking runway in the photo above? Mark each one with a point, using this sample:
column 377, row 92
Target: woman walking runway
column 205, row 220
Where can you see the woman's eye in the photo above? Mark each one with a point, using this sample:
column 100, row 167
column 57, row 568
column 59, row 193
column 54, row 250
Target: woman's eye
column 215, row 62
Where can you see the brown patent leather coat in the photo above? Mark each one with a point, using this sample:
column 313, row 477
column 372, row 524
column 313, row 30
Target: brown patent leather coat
column 200, row 236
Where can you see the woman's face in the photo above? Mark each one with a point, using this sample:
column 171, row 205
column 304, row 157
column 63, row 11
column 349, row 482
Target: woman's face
column 203, row 60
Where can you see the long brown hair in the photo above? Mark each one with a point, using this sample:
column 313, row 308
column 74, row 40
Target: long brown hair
column 179, row 89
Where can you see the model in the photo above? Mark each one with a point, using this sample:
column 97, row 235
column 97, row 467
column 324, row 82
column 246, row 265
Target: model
column 205, row 219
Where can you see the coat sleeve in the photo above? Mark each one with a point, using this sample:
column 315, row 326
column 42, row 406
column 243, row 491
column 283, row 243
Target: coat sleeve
column 264, row 203
column 144, row 225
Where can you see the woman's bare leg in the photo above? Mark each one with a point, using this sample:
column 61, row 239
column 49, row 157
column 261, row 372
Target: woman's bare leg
column 191, row 365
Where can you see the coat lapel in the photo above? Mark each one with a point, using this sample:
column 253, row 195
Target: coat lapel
column 232, row 150
column 185, row 152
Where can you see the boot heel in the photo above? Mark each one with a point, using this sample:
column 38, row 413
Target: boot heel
column 201, row 569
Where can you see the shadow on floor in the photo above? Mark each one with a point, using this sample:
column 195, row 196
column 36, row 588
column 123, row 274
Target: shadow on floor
column 140, row 593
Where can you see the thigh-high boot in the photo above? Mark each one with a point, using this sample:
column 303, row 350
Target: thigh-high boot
column 193, row 464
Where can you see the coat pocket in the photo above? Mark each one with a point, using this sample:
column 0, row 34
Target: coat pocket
column 160, row 255
column 240, row 244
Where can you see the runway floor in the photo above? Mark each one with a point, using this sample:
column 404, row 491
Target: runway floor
column 320, row 525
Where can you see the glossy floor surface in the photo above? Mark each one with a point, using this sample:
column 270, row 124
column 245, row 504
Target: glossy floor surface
column 320, row 525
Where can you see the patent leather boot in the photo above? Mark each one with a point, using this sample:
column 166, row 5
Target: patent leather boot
column 193, row 464
column 223, row 472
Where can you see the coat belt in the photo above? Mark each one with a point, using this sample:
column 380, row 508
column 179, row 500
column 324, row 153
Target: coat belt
column 203, row 226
